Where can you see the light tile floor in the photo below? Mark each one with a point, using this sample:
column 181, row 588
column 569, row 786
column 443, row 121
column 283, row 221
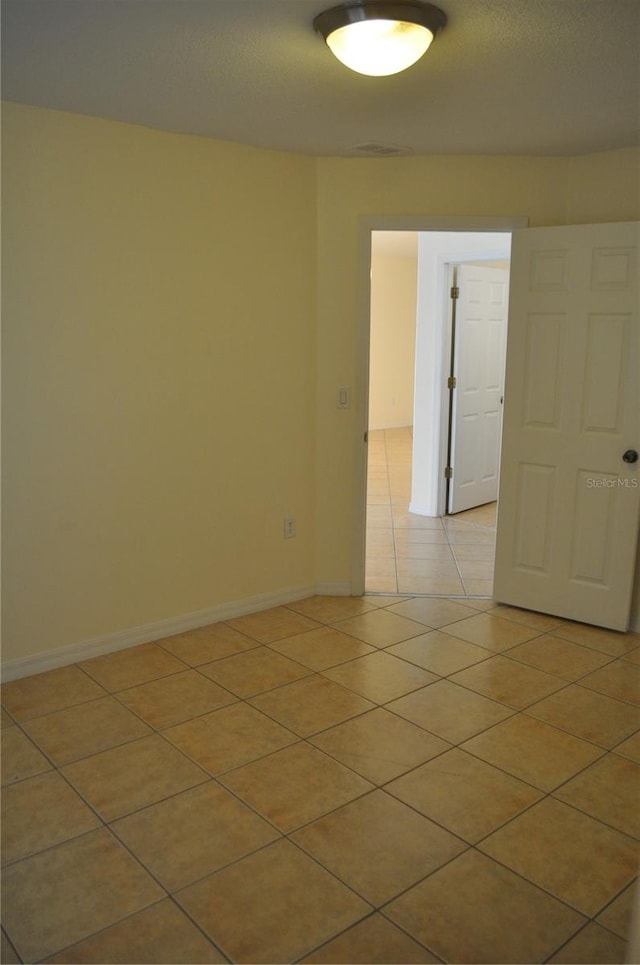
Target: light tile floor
column 407, row 553
column 382, row 779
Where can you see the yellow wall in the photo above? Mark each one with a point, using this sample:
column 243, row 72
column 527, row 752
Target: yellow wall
column 159, row 325
column 394, row 283
column 168, row 370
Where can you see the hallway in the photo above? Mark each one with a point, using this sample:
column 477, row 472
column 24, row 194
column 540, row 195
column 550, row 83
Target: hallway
column 406, row 553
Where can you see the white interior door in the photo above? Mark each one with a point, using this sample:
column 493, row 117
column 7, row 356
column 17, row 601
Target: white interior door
column 569, row 503
column 476, row 427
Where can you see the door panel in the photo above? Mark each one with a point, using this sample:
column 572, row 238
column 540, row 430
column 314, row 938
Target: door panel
column 481, row 317
column 569, row 505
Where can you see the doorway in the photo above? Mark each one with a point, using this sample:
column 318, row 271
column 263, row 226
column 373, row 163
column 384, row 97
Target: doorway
column 412, row 546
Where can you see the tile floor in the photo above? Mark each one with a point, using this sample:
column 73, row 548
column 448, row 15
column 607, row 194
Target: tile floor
column 382, row 779
column 407, row 553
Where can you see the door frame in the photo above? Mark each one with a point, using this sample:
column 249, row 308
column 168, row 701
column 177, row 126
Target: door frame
column 366, row 225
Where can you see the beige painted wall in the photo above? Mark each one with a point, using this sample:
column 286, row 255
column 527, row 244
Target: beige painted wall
column 159, row 370
column 169, row 375
column 394, row 284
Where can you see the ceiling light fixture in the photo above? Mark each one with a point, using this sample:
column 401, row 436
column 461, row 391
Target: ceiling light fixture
column 380, row 37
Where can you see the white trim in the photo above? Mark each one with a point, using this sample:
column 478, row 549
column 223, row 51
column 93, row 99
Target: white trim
column 95, row 647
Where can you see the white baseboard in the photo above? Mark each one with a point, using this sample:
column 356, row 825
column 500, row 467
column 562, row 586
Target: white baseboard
column 95, row 647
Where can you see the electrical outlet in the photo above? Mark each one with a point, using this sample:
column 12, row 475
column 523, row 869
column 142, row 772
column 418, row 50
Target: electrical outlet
column 289, row 527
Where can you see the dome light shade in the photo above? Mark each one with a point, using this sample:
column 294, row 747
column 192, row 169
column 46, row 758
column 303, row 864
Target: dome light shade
column 380, row 37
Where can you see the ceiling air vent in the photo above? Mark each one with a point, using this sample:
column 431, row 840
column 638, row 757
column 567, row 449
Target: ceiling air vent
column 373, row 149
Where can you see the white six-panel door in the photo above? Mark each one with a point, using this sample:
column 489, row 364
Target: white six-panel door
column 480, row 328
column 569, row 503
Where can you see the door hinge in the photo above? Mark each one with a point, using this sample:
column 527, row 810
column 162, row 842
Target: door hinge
column 366, row 437
column 451, row 382
column 448, row 473
column 455, row 291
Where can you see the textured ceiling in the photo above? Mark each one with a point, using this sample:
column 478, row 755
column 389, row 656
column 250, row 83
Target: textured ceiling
column 504, row 77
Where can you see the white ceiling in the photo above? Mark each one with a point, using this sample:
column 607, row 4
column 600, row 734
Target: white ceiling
column 536, row 77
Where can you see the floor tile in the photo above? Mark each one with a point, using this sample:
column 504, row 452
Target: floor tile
column 44, row 693
column 123, row 779
column 330, row 609
column 560, row 657
column 533, row 751
column 413, row 550
column 207, row 643
column 592, row 944
column 630, row 748
column 322, row 648
column 311, row 705
column 460, row 537
column 8, row 954
column 483, row 552
column 491, row 632
column 274, row 624
column 607, row 641
column 633, row 656
column 553, row 846
column 171, row 700
column 295, row 785
column 439, row 652
column 62, row 895
column 5, row 719
column 67, row 735
column 608, row 790
column 39, row 813
column 464, row 795
column 380, row 628
column 379, row 745
column 432, row 569
column 246, row 674
column 380, row 677
column 411, row 521
column 378, row 846
column 436, row 585
column 306, row 906
column 374, row 941
column 434, row 613
column 478, row 587
column 160, row 933
column 379, row 600
column 474, row 910
column 620, row 679
column 508, row 681
column 451, row 712
column 529, row 618
column 229, row 737
column 617, row 916
column 380, row 575
column 474, row 570
column 20, row 757
column 589, row 715
column 193, row 834
column 128, row 668
column 380, row 543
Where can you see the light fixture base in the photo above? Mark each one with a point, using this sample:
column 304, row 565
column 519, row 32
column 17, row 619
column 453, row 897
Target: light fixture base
column 380, row 37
